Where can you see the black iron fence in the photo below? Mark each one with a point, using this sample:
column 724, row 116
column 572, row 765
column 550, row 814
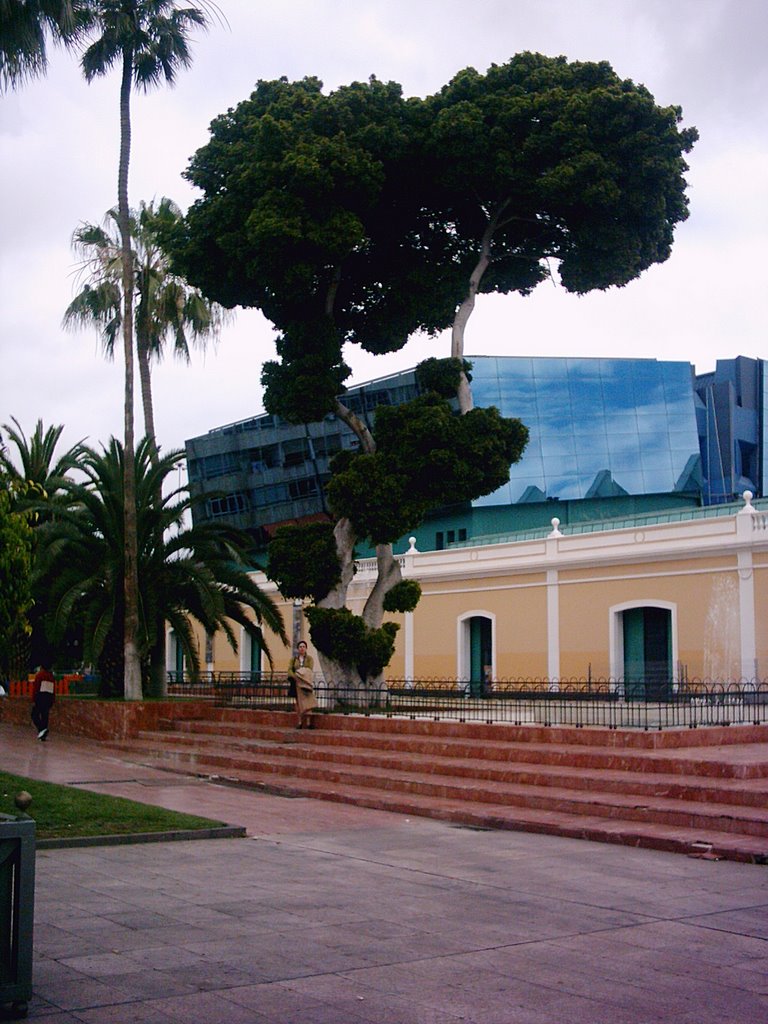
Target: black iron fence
column 263, row 689
column 606, row 703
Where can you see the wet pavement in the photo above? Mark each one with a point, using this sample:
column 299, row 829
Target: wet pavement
column 345, row 915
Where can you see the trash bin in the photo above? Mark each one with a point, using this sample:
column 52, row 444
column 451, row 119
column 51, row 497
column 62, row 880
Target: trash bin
column 17, row 907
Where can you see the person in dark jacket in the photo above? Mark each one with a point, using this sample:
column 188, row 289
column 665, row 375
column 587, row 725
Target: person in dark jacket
column 43, row 697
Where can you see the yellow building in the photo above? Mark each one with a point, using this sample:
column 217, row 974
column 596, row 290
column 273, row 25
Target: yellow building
column 654, row 602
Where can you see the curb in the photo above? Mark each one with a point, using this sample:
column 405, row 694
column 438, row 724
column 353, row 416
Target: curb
column 132, row 838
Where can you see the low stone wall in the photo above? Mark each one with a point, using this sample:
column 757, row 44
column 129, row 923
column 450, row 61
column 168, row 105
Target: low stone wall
column 103, row 719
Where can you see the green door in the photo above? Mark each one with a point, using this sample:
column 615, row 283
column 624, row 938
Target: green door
column 480, row 654
column 177, row 652
column 647, row 653
column 255, row 667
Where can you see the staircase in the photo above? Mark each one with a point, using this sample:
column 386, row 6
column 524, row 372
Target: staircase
column 702, row 792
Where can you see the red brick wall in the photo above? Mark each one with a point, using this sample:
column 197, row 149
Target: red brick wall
column 103, row 719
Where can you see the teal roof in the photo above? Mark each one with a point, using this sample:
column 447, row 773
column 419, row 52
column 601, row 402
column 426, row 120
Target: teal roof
column 638, row 521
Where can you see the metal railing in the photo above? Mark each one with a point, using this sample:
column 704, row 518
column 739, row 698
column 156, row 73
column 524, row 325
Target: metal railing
column 245, row 689
column 580, row 702
column 605, row 703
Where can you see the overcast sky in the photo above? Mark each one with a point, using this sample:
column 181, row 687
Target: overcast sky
column 58, row 167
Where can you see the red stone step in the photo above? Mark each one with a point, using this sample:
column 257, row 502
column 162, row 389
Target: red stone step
column 650, row 835
column 595, row 802
column 667, row 739
column 728, row 761
column 669, row 791
column 737, row 792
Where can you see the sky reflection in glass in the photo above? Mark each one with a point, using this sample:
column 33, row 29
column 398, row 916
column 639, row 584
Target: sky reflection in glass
column 597, row 426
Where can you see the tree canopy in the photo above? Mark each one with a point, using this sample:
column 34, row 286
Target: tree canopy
column 361, row 217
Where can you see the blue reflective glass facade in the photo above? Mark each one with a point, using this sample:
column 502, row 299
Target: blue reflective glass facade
column 599, row 428
column 607, row 437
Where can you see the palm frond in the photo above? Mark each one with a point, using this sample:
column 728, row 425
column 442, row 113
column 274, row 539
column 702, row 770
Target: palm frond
column 187, row 573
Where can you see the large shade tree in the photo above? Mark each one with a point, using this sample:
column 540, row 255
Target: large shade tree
column 148, row 40
column 540, row 163
column 361, row 217
column 186, row 573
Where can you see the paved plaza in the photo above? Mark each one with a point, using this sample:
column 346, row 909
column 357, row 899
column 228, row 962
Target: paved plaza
column 328, row 914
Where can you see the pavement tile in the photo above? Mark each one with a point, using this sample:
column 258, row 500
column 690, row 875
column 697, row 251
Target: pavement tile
column 205, row 1008
column 78, row 992
column 272, row 999
column 125, row 1013
column 100, row 965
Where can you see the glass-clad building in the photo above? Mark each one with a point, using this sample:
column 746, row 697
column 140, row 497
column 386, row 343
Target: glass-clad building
column 608, row 437
column 599, row 428
column 732, row 418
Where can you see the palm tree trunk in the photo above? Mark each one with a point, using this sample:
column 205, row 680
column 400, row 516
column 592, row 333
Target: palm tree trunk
column 145, row 380
column 158, row 677
column 132, row 676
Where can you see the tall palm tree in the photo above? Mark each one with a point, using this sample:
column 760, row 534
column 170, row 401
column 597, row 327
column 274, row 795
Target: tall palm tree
column 191, row 573
column 25, row 28
column 148, row 39
column 167, row 308
column 36, row 478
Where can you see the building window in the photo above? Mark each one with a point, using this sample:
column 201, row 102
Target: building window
column 295, row 453
column 228, row 505
column 302, row 488
column 219, row 464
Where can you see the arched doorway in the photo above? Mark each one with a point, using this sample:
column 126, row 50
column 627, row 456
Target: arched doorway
column 646, row 652
column 174, row 657
column 476, row 647
column 250, row 654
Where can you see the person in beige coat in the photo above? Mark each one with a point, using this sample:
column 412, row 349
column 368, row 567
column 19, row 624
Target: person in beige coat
column 300, row 685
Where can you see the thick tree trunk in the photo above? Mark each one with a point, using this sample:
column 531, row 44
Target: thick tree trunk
column 467, row 306
column 387, row 576
column 341, row 679
column 346, row 678
column 132, row 671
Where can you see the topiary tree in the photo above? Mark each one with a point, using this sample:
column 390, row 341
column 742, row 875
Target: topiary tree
column 362, row 217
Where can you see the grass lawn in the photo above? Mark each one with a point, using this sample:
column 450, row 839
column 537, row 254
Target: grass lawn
column 66, row 811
